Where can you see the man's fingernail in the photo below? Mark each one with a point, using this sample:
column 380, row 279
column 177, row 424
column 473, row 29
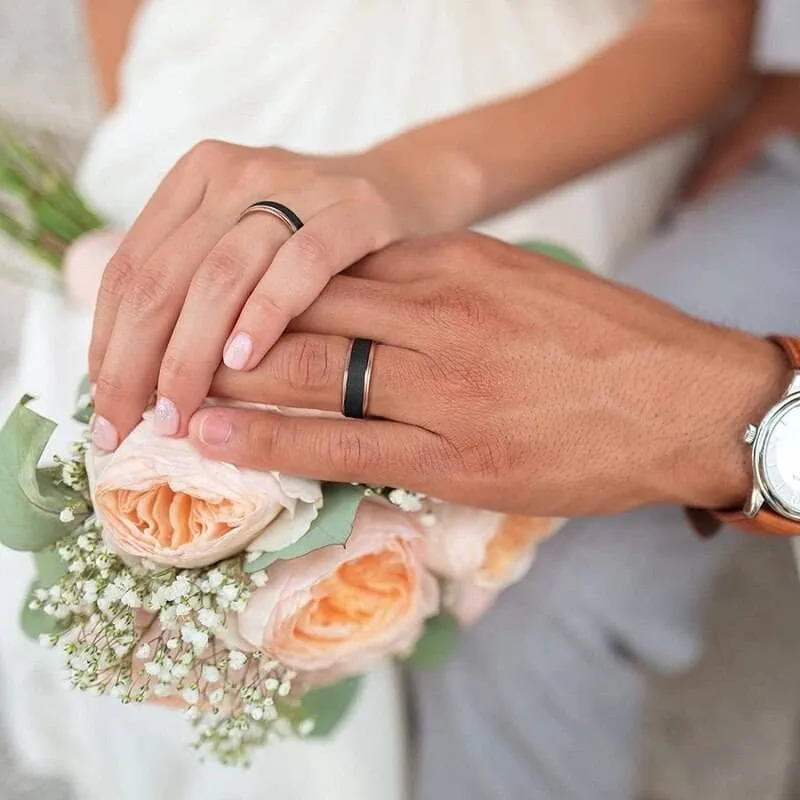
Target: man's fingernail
column 215, row 430
column 104, row 434
column 238, row 351
column 166, row 420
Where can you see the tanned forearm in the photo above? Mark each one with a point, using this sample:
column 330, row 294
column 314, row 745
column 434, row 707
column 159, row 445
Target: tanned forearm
column 108, row 24
column 671, row 70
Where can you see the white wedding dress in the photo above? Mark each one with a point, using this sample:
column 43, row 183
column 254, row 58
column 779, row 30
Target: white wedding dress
column 310, row 76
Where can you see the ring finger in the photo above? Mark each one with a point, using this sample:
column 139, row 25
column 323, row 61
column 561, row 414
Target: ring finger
column 307, row 370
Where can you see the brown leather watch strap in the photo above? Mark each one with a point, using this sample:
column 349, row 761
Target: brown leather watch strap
column 767, row 522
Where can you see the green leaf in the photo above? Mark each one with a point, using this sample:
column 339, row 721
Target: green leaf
column 30, row 499
column 331, row 527
column 556, row 251
column 50, row 567
column 85, row 408
column 436, row 644
column 327, row 706
column 36, row 623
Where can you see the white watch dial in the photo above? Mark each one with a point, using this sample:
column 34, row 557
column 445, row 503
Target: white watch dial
column 782, row 459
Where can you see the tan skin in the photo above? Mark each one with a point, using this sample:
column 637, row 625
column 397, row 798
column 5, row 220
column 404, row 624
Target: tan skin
column 537, row 388
column 189, row 284
column 773, row 108
column 573, row 409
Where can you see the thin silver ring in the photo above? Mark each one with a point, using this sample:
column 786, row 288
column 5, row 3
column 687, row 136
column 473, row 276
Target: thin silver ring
column 276, row 210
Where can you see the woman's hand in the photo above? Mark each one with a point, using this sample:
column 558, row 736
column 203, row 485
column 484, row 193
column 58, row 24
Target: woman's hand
column 773, row 109
column 190, row 282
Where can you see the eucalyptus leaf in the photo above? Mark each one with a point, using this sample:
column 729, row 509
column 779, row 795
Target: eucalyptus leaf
column 331, row 527
column 555, row 251
column 327, row 706
column 30, row 499
column 84, row 389
column 83, row 400
column 436, row 643
column 50, row 567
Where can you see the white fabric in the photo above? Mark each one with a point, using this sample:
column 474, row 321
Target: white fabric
column 778, row 36
column 322, row 77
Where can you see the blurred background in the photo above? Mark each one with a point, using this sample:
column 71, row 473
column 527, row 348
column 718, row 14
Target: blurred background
column 728, row 730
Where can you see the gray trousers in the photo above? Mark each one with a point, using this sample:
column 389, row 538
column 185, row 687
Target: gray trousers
column 543, row 698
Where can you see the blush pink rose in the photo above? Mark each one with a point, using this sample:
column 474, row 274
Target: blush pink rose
column 339, row 610
column 158, row 499
column 84, row 263
column 480, row 553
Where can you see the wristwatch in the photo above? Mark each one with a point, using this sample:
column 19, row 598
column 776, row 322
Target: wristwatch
column 774, row 503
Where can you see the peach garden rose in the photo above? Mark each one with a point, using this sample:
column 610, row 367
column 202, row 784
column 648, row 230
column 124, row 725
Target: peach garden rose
column 157, row 499
column 480, row 553
column 339, row 610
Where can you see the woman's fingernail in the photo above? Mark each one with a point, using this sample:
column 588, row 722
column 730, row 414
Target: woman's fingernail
column 93, row 390
column 104, row 434
column 238, row 351
column 166, row 420
column 215, row 430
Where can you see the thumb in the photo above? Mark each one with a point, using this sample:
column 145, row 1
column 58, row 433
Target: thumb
column 339, row 450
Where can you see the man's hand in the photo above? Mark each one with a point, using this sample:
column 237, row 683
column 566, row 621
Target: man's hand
column 505, row 380
column 773, row 109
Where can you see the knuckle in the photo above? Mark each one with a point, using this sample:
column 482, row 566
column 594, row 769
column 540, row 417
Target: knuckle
column 252, row 173
column 220, row 273
column 308, row 365
column 148, row 294
column 261, row 306
column 347, row 449
column 311, row 252
column 176, row 370
column 364, row 191
column 117, row 274
column 264, row 440
column 451, row 306
column 207, row 153
column 111, row 390
column 488, row 456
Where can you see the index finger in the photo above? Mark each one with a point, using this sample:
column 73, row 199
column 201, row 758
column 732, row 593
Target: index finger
column 340, row 450
column 177, row 197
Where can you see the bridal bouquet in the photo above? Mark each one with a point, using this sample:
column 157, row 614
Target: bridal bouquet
column 253, row 601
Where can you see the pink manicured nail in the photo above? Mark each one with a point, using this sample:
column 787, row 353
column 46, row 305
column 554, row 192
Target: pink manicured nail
column 215, row 430
column 238, row 351
column 167, row 420
column 104, row 434
column 93, row 390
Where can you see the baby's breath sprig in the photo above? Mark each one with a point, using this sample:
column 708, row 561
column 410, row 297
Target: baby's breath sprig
column 144, row 632
column 412, row 502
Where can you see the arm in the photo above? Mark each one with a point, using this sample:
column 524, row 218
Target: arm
column 108, row 23
column 669, row 71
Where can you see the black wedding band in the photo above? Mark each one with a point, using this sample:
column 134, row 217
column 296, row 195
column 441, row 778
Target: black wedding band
column 357, row 378
column 279, row 210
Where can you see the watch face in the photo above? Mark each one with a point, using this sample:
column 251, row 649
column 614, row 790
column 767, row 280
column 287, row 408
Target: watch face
column 781, row 459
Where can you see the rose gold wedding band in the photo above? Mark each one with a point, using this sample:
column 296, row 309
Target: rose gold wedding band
column 357, row 378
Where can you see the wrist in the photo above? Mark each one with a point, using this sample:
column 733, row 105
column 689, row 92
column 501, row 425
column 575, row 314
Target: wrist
column 744, row 378
column 431, row 187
